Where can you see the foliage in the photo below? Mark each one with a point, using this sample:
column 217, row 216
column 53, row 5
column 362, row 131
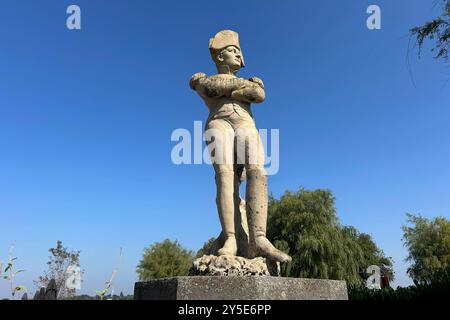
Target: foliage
column 59, row 260
column 304, row 224
column 371, row 254
column 121, row 296
column 428, row 243
column 164, row 259
column 103, row 294
column 437, row 288
column 208, row 244
column 438, row 30
column 9, row 274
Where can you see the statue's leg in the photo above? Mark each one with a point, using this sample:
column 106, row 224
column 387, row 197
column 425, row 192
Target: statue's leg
column 257, row 199
column 257, row 202
column 219, row 148
column 240, row 217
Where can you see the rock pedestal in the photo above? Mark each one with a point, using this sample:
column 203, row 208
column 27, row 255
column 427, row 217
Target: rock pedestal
column 237, row 278
column 210, row 265
column 240, row 288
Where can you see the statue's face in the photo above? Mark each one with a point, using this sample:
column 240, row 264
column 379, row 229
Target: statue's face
column 232, row 57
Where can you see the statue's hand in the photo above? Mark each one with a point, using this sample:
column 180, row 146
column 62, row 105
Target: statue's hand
column 258, row 81
column 195, row 79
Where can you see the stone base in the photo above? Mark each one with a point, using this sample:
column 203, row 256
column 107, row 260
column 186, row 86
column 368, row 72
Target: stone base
column 240, row 288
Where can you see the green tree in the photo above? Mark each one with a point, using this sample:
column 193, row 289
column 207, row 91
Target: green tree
column 164, row 259
column 438, row 30
column 304, row 224
column 372, row 255
column 428, row 243
column 206, row 247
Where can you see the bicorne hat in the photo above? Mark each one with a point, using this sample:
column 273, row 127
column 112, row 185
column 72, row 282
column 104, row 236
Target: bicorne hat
column 223, row 39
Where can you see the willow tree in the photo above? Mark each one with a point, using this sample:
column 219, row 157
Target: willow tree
column 305, row 225
column 437, row 30
column 428, row 244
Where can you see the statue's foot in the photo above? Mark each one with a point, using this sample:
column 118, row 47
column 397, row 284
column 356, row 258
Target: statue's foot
column 266, row 249
column 229, row 247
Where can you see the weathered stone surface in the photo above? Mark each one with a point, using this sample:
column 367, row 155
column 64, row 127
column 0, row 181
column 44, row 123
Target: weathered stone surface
column 240, row 288
column 210, row 265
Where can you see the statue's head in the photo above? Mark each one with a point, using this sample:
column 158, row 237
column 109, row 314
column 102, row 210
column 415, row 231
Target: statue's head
column 226, row 51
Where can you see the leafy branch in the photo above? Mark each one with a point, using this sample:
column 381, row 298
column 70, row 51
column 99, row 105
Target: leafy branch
column 439, row 30
column 11, row 273
column 109, row 283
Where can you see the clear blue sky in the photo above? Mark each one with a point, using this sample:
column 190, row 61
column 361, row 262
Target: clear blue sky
column 86, row 118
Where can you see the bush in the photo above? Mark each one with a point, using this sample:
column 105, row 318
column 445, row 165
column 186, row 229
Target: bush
column 437, row 289
column 164, row 259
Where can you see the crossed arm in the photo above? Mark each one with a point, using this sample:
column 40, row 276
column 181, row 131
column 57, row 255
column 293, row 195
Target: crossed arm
column 248, row 91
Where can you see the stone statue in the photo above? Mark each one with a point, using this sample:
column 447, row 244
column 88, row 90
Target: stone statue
column 236, row 155
column 241, row 261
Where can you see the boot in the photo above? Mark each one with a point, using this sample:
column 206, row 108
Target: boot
column 256, row 207
column 225, row 207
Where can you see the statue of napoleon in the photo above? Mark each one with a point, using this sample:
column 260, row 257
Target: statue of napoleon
column 235, row 148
